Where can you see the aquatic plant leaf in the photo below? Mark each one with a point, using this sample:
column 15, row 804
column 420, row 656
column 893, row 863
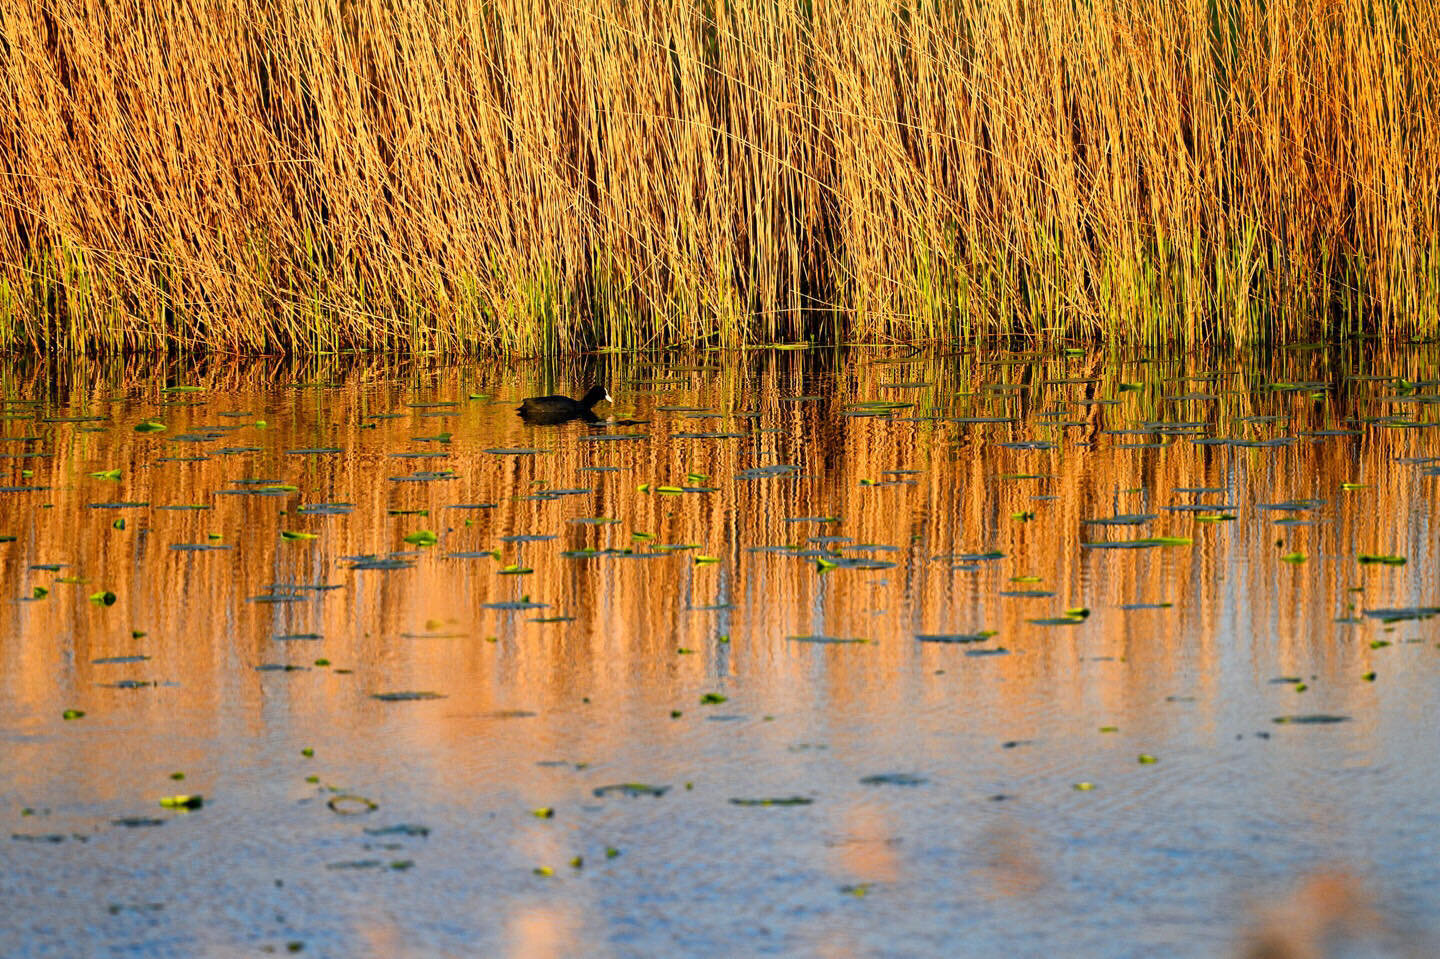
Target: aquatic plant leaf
column 399, row 829
column 956, row 638
column 630, row 789
column 1144, row 543
column 379, row 563
column 405, row 696
column 183, row 801
column 893, row 779
column 1402, row 613
column 423, row 537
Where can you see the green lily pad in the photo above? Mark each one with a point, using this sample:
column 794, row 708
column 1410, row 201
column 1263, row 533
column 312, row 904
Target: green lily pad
column 630, row 789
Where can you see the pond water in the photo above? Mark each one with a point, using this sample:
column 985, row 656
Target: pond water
column 794, row 653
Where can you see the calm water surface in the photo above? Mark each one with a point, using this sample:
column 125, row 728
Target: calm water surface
column 821, row 619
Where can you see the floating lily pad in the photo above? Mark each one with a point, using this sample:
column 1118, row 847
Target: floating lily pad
column 956, row 638
column 893, row 779
column 399, row 829
column 630, row 789
column 183, row 801
column 1400, row 614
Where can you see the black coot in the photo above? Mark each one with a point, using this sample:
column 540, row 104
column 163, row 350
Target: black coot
column 558, row 409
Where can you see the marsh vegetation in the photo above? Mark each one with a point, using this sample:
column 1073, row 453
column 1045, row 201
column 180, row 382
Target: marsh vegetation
column 445, row 176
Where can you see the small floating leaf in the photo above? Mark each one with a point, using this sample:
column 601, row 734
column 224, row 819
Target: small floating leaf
column 399, row 829
column 73, row 714
column 893, row 779
column 712, row 699
column 423, row 537
column 828, row 640
column 1381, row 559
column 183, row 801
column 1145, row 759
column 286, row 534
column 961, row 638
column 629, row 789
column 405, row 696
column 103, row 598
column 774, row 801
column 1311, row 719
column 1403, row 613
column 149, row 426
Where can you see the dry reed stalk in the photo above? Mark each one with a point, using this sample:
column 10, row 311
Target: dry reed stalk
column 443, row 175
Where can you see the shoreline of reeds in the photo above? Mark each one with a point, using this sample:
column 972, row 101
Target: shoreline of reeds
column 443, row 176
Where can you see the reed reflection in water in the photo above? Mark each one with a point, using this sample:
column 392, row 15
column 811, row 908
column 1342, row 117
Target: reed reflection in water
column 719, row 599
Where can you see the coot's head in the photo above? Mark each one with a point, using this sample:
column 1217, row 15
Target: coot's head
column 597, row 394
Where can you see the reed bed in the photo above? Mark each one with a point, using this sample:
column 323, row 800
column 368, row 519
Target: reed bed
column 536, row 177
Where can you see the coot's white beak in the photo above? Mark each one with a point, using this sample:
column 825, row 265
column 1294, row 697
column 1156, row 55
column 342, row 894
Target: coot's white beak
column 608, row 399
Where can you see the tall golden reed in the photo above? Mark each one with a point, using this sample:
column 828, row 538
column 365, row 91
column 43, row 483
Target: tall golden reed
column 534, row 175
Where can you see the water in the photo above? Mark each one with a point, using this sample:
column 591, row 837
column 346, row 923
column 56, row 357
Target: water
column 927, row 798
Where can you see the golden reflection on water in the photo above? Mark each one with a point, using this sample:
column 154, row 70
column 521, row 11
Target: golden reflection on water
column 631, row 615
column 956, row 471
